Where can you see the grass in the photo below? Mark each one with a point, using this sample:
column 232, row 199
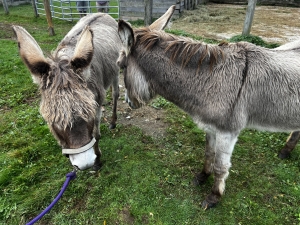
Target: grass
column 143, row 180
column 253, row 39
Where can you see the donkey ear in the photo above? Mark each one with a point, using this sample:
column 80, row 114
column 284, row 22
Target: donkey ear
column 31, row 54
column 126, row 35
column 84, row 50
column 163, row 21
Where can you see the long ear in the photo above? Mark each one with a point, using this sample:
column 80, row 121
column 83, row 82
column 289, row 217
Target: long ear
column 31, row 54
column 126, row 35
column 84, row 50
column 163, row 21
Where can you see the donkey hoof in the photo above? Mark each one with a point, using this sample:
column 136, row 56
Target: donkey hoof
column 200, row 178
column 284, row 155
column 208, row 205
column 112, row 126
column 211, row 201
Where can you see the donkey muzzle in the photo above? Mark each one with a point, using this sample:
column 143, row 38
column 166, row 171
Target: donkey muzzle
column 82, row 158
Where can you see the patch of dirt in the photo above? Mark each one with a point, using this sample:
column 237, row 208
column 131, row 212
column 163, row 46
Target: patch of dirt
column 222, row 21
column 216, row 21
column 147, row 118
column 6, row 31
column 126, row 216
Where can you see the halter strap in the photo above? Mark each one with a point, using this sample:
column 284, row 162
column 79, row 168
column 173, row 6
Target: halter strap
column 72, row 151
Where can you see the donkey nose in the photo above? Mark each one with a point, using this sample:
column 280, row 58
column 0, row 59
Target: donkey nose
column 83, row 160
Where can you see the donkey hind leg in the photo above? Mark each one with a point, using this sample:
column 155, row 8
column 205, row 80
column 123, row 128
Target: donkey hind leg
column 290, row 144
column 224, row 147
column 115, row 93
column 97, row 135
column 210, row 143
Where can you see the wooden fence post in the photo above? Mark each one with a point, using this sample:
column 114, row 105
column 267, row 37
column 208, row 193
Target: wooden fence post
column 34, row 8
column 5, row 7
column 249, row 17
column 49, row 17
column 148, row 12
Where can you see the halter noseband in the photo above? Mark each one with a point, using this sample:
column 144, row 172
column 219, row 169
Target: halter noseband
column 72, row 151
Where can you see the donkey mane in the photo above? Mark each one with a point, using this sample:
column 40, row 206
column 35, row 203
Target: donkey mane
column 180, row 47
column 69, row 92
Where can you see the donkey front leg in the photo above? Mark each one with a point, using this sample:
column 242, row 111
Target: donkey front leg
column 210, row 143
column 223, row 149
column 289, row 145
column 97, row 135
column 115, row 93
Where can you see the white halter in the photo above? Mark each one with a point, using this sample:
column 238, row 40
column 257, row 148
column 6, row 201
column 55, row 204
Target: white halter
column 72, row 151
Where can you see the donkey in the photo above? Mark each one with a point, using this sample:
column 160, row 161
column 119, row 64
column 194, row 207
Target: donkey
column 73, row 81
column 294, row 137
column 225, row 88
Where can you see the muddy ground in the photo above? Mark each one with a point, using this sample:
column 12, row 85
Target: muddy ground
column 216, row 21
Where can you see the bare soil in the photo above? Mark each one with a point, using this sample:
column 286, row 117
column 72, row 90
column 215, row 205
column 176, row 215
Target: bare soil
column 147, row 118
column 216, row 21
column 222, row 21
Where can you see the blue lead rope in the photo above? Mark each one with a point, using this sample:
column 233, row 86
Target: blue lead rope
column 70, row 176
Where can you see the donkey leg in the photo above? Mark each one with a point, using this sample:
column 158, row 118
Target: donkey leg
column 97, row 135
column 201, row 177
column 290, row 144
column 115, row 92
column 224, row 147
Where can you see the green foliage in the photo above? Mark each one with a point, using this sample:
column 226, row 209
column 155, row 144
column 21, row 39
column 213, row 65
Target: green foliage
column 253, row 39
column 143, row 180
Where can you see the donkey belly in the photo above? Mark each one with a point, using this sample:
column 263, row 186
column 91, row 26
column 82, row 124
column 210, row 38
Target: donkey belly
column 284, row 121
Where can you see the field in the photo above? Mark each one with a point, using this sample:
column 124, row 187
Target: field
column 221, row 21
column 149, row 160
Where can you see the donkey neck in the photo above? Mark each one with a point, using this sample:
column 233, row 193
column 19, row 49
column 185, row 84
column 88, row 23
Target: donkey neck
column 175, row 77
column 206, row 92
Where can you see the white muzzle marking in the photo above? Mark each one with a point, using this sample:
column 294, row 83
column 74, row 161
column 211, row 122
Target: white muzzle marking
column 84, row 157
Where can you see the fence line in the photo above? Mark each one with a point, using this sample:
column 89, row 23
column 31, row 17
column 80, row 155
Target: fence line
column 67, row 9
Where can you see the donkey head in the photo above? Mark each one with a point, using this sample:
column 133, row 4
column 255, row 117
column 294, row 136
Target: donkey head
column 138, row 89
column 67, row 104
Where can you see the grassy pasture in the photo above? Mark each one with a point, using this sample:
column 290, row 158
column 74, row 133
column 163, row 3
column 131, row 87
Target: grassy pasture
column 143, row 180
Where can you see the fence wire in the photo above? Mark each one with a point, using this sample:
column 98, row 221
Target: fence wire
column 68, row 10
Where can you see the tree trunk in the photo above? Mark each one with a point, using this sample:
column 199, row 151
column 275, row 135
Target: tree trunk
column 49, row 17
column 249, row 17
column 148, row 12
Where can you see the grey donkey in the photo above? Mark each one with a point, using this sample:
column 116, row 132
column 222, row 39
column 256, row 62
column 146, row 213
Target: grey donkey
column 73, row 81
column 225, row 88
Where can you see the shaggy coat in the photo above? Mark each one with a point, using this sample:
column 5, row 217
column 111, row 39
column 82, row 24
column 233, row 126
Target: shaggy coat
column 225, row 88
column 73, row 80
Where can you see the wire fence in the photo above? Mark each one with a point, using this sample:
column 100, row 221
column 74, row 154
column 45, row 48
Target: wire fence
column 73, row 10
column 70, row 10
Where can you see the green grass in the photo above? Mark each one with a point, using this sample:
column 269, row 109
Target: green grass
column 143, row 180
column 253, row 39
